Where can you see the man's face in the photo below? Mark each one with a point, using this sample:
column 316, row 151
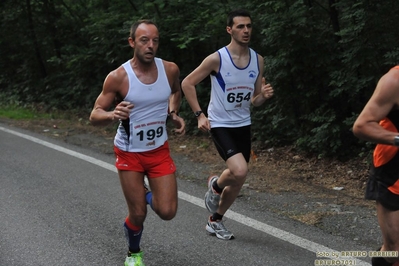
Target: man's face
column 241, row 30
column 145, row 43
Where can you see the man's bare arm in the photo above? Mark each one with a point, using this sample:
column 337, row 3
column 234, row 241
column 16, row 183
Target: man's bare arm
column 263, row 90
column 100, row 115
column 383, row 100
column 175, row 98
column 210, row 64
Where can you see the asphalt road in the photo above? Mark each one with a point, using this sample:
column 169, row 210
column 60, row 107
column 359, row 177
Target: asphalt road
column 62, row 205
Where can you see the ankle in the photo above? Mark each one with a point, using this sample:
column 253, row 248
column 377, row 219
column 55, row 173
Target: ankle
column 216, row 187
column 216, row 217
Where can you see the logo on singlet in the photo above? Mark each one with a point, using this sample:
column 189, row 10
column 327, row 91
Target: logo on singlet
column 152, row 143
column 252, row 74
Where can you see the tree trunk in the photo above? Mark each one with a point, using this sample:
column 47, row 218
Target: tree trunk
column 32, row 35
column 334, row 18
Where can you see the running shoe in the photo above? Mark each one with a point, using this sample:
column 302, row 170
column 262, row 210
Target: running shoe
column 218, row 229
column 134, row 259
column 211, row 197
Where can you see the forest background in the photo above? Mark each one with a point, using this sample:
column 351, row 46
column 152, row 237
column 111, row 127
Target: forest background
column 322, row 57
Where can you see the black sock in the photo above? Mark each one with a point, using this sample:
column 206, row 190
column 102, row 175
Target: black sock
column 216, row 217
column 379, row 261
column 216, row 187
column 130, row 252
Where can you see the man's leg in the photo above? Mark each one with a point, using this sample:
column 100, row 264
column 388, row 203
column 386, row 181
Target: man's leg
column 232, row 180
column 389, row 224
column 132, row 184
column 164, row 196
column 237, row 142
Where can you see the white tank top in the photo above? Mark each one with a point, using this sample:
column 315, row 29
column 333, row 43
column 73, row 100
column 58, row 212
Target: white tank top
column 145, row 129
column 232, row 90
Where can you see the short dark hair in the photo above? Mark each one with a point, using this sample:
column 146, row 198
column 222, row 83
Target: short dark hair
column 137, row 24
column 237, row 13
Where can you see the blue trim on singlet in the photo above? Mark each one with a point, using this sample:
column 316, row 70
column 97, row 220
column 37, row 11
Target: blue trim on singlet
column 218, row 76
column 249, row 61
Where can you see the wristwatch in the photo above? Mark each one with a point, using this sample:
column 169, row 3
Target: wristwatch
column 396, row 141
column 198, row 113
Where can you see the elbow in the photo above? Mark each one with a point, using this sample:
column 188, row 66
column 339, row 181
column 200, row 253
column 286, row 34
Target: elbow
column 183, row 84
column 92, row 120
column 357, row 130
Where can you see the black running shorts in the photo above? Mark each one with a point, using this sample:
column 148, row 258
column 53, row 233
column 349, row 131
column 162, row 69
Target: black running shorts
column 231, row 141
column 377, row 189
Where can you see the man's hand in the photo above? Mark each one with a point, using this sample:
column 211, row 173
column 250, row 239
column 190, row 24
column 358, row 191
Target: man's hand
column 266, row 90
column 122, row 110
column 179, row 124
column 203, row 123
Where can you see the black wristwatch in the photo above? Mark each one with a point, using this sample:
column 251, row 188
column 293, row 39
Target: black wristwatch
column 396, row 141
column 198, row 113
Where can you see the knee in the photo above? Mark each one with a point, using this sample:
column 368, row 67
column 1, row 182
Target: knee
column 166, row 210
column 240, row 174
column 167, row 213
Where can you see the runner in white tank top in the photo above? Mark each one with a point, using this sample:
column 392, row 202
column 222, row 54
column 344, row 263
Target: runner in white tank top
column 236, row 82
column 148, row 87
column 232, row 90
column 145, row 129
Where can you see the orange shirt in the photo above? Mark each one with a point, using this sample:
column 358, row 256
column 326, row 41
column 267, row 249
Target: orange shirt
column 384, row 154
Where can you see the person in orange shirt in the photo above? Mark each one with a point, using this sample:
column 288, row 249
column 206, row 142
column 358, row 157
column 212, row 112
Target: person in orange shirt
column 379, row 123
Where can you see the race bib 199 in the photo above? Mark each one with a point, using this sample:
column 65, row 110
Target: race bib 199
column 148, row 134
column 238, row 96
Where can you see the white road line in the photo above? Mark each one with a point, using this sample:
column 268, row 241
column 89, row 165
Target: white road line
column 245, row 220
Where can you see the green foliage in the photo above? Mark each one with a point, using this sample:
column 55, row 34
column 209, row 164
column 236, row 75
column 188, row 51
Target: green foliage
column 323, row 58
column 323, row 62
column 17, row 110
column 14, row 112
